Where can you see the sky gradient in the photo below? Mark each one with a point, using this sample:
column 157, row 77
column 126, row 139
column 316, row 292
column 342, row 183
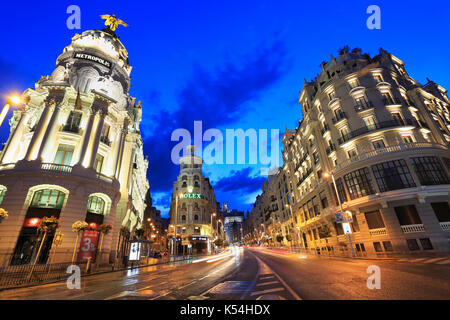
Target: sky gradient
column 230, row 64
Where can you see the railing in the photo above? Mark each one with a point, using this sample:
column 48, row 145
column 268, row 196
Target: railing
column 364, row 106
column 56, row 167
column 339, row 116
column 15, row 276
column 412, row 228
column 302, row 160
column 445, row 226
column 331, row 148
column 303, row 178
column 71, row 128
column 375, row 126
column 395, row 148
column 377, row 232
column 104, row 178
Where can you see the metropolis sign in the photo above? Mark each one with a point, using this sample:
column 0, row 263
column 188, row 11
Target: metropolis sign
column 90, row 57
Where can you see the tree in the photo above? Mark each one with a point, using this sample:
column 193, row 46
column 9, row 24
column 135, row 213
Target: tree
column 218, row 242
column 280, row 238
column 324, row 232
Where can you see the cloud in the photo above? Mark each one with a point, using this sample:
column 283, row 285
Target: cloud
column 240, row 181
column 216, row 98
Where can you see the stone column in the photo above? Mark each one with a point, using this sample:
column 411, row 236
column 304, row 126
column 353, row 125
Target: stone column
column 14, row 138
column 47, row 141
column 87, row 135
column 98, row 133
column 120, row 150
column 49, row 102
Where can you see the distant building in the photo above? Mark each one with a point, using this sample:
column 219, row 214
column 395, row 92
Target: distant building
column 234, row 226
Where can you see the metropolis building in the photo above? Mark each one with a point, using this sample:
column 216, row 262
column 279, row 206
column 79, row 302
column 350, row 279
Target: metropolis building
column 194, row 211
column 74, row 152
column 385, row 140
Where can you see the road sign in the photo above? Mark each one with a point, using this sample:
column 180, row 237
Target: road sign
column 348, row 217
column 347, row 228
column 338, row 217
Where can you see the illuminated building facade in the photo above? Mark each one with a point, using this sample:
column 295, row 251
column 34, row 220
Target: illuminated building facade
column 385, row 139
column 74, row 152
column 193, row 209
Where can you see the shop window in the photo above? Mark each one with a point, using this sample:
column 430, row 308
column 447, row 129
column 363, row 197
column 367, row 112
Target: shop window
column 393, row 175
column 426, row 244
column 359, row 183
column 412, row 244
column 430, row 171
column 407, row 215
column 48, row 198
column 441, row 210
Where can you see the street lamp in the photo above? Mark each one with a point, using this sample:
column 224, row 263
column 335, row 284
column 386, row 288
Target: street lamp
column 292, row 216
column 180, row 195
column 326, row 175
column 15, row 100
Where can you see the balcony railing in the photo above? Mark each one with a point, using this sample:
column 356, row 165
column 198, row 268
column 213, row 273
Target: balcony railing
column 105, row 140
column 302, row 160
column 104, row 178
column 390, row 149
column 413, row 228
column 71, row 128
column 376, row 126
column 365, row 106
column 445, row 226
column 56, row 167
column 377, row 232
column 303, row 178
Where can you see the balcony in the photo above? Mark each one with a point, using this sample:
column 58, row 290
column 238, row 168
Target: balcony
column 413, row 228
column 445, row 226
column 331, row 148
column 377, row 232
column 376, row 126
column 56, row 167
column 391, row 101
column 71, row 128
column 324, row 129
column 362, row 107
column 301, row 161
column 303, row 178
column 338, row 117
column 105, row 140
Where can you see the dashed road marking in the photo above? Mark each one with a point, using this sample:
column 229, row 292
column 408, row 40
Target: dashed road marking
column 266, row 283
column 257, row 293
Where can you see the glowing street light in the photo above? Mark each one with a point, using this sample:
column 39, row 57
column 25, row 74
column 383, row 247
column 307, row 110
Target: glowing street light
column 15, row 100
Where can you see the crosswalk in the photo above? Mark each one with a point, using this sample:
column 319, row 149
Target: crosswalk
column 268, row 284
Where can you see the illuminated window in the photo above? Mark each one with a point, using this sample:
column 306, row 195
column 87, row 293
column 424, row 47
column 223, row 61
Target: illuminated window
column 370, row 123
column 407, row 139
column 345, row 134
column 393, row 175
column 98, row 163
column 398, row 118
column 73, row 122
column 359, row 183
column 48, row 198
column 64, row 155
column 378, row 144
column 352, row 153
column 353, row 83
column 378, row 77
column 96, row 205
column 2, row 194
column 430, row 171
column 332, row 95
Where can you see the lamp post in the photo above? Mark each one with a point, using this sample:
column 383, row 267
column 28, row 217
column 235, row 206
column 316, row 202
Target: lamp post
column 340, row 207
column 15, row 100
column 176, row 221
column 292, row 218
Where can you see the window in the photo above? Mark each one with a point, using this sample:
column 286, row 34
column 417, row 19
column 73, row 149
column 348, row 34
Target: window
column 2, row 194
column 183, row 218
column 407, row 139
column 361, row 104
column 430, row 171
column 64, row 155
column 196, row 177
column 323, row 199
column 387, row 98
column 319, row 174
column 378, row 77
column 73, row 121
column 377, row 247
column 195, row 217
column 332, row 95
column 352, row 153
column 183, row 178
column 398, row 118
column 374, row 219
column 98, row 163
column 316, row 157
column 412, row 244
column 359, row 183
column 48, row 198
column 378, row 144
column 393, row 175
column 105, row 134
column 442, row 211
column 339, row 114
column 407, row 215
column 387, row 245
column 426, row 244
column 370, row 123
column 96, row 205
column 341, row 190
column 345, row 134
column 353, row 83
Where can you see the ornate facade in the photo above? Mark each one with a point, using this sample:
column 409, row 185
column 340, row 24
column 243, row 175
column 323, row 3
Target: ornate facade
column 74, row 152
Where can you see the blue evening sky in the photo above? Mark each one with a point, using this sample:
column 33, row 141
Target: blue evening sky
column 231, row 64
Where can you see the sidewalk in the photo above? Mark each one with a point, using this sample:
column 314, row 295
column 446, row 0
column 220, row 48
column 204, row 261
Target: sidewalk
column 404, row 257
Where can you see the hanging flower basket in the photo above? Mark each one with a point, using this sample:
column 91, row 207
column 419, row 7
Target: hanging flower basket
column 49, row 224
column 3, row 214
column 104, row 228
column 78, row 226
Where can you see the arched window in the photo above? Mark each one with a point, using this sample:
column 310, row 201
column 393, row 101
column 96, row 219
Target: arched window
column 196, row 177
column 48, row 198
column 196, row 184
column 196, row 217
column 183, row 218
column 184, row 178
column 183, row 207
column 184, row 185
column 96, row 205
column 196, row 208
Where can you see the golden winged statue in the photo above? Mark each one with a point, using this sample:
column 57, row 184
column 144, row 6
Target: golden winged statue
column 112, row 21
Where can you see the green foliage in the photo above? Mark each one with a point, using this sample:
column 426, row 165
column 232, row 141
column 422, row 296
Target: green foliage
column 280, row 238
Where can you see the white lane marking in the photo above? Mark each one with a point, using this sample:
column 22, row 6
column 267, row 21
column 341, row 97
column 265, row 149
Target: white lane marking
column 267, row 277
column 266, row 283
column 433, row 260
column 444, row 262
column 417, row 260
column 267, row 291
column 266, row 267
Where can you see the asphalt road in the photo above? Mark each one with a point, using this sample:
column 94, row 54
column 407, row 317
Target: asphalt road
column 255, row 274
